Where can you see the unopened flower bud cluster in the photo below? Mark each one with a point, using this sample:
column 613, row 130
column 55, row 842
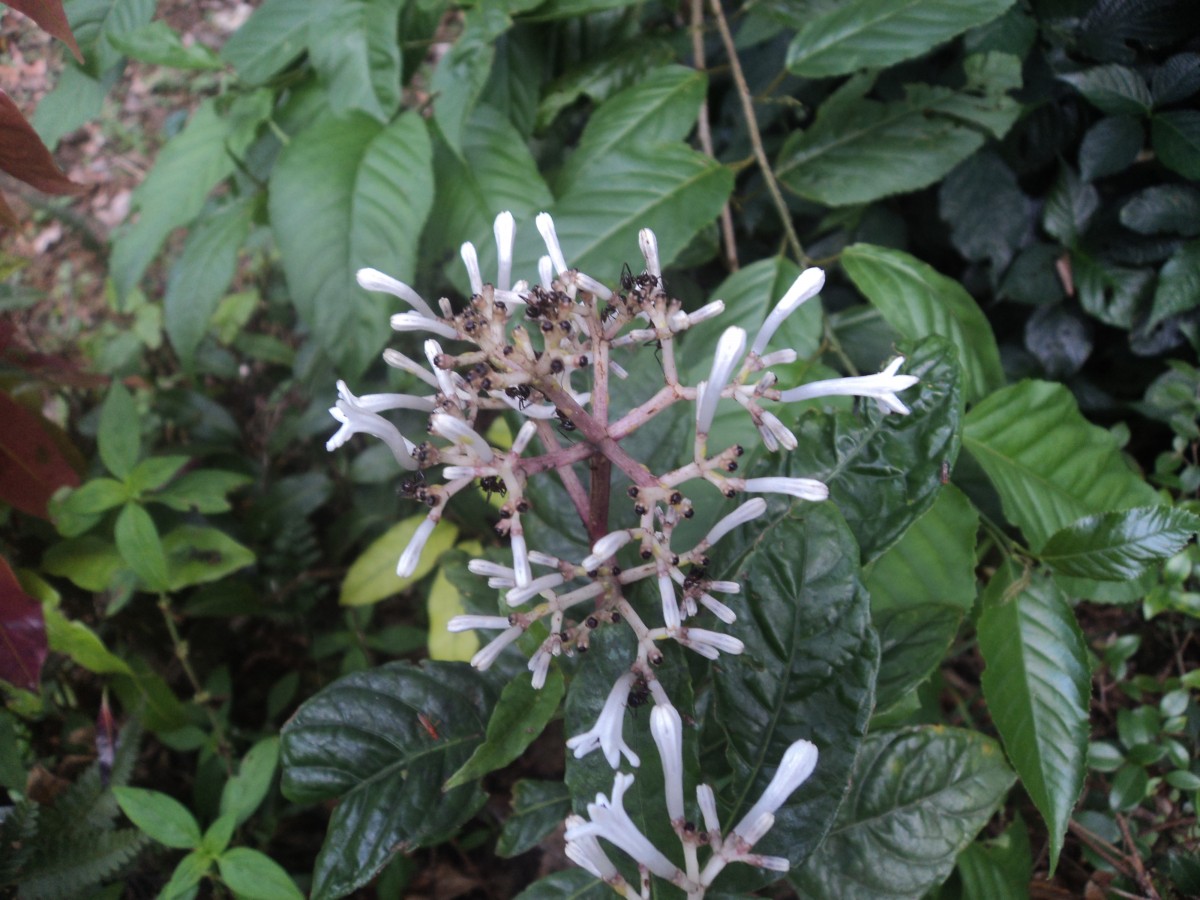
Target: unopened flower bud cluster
column 546, row 351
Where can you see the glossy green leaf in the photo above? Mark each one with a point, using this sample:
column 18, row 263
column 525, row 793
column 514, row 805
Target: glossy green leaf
column 186, row 169
column 274, row 35
column 1164, row 209
column 256, row 876
column 244, row 792
column 1113, row 294
column 372, row 576
column 601, row 77
column 201, row 491
column 1038, row 687
column 874, row 34
column 1175, row 136
column 1110, row 146
column 443, row 603
column 520, row 716
column 161, row 817
column 569, row 884
column 808, row 670
column 538, row 807
column 884, row 471
column 158, row 44
column 1129, row 788
column 1119, row 546
column 920, row 590
column 1112, row 89
column 361, row 739
column 201, row 275
column 1069, row 207
column 1178, row 288
column 462, row 74
column 141, row 548
column 917, row 798
column 370, row 187
column 1050, row 466
column 120, row 436
column 999, row 869
column 918, row 301
column 353, row 47
column 858, row 149
column 197, row 554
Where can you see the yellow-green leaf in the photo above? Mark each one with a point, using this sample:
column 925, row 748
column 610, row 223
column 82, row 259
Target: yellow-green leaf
column 445, row 602
column 372, row 576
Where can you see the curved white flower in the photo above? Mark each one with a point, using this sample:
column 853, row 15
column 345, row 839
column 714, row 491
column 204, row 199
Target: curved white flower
column 355, row 419
column 412, row 553
column 545, row 227
column 505, row 230
column 610, row 821
column 730, row 348
column 374, row 280
column 471, row 260
column 461, row 434
column 605, row 735
column 882, row 387
column 666, row 727
column 486, row 656
column 794, row 769
column 806, row 286
column 802, row 488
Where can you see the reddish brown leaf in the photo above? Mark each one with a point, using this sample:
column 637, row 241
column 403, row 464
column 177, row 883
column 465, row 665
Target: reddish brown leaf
column 24, row 156
column 32, row 467
column 23, row 645
column 7, row 216
column 106, row 739
column 50, row 15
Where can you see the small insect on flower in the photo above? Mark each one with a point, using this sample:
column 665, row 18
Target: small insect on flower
column 493, row 484
column 428, row 724
column 639, row 694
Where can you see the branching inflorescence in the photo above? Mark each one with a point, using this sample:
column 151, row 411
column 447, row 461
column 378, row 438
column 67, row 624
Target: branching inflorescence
column 546, row 351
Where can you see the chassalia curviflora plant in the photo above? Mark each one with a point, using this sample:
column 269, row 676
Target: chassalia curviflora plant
column 548, row 351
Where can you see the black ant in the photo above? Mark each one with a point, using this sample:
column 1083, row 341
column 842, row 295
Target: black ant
column 565, row 424
column 413, row 484
column 520, row 393
column 493, row 484
column 627, row 280
column 639, row 694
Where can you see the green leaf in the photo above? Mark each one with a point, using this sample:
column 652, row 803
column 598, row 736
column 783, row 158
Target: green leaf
column 81, row 509
column 274, row 35
column 1112, row 294
column 920, row 590
column 1164, row 209
column 217, row 836
column 917, row 798
column 185, row 170
column 151, row 474
column 75, row 99
column 353, row 47
column 370, row 188
column 918, row 301
column 1050, row 466
column 874, row 34
column 1110, row 146
column 1112, row 89
column 1175, row 136
column 1119, row 546
column 197, row 554
column 884, row 471
column 569, row 884
column 999, row 869
column 159, row 45
column 82, row 645
column 987, row 212
column 1176, row 79
column 520, row 716
column 461, row 76
column 187, row 875
column 120, row 434
column 443, row 604
column 244, row 792
column 201, row 491
column 538, row 807
column 1129, row 788
column 574, row 9
column 89, row 562
column 858, row 150
column 1178, row 289
column 1038, row 686
column 201, row 274
column 600, row 77
column 372, row 577
column 256, row 876
column 139, row 545
column 361, row 739
column 98, row 24
column 161, row 817
column 808, row 670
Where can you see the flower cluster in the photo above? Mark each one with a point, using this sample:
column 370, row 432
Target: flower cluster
column 546, row 351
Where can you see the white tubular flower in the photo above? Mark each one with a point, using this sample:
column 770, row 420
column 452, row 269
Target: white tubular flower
column 524, row 435
column 605, row 735
column 784, row 357
column 412, row 321
column 718, row 609
column 452, row 473
column 520, row 560
column 477, row 623
column 649, row 245
column 680, row 320
column 486, row 656
column 543, row 559
column 805, row 287
column 775, row 433
column 471, row 260
column 412, row 553
column 797, row 764
column 545, row 227
column 802, row 488
column 881, row 387
column 610, row 821
column 374, row 280
column 667, row 730
column 356, row 420
column 592, row 286
column 489, row 569
column 398, row 360
column 606, row 547
column 519, row 595
column 707, row 801
column 444, row 378
column 384, row 402
column 585, row 851
column 670, row 605
column 709, row 644
column 461, row 434
column 545, row 272
column 745, row 513
column 729, row 352
column 539, row 665
column 505, row 229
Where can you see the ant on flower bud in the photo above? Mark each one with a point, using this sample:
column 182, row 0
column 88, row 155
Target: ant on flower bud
column 632, row 491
